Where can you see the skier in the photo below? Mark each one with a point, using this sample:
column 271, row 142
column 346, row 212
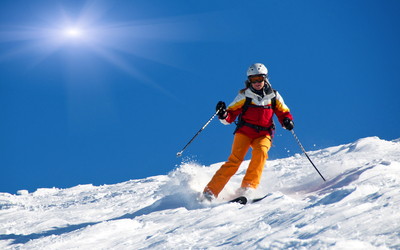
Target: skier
column 254, row 129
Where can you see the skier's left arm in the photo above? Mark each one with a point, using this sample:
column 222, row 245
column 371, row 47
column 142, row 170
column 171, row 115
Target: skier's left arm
column 283, row 113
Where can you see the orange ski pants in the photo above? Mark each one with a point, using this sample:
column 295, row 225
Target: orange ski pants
column 240, row 146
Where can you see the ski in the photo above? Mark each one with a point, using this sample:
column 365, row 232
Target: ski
column 260, row 199
column 243, row 200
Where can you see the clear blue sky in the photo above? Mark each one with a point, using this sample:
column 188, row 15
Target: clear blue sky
column 104, row 92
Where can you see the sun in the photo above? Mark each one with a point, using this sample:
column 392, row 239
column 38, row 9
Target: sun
column 72, row 32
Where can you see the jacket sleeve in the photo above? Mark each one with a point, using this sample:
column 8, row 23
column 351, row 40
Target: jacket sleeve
column 281, row 110
column 234, row 109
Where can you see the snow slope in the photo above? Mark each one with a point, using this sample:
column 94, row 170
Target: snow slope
column 356, row 208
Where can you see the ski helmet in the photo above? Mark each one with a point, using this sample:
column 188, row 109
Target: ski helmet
column 257, row 69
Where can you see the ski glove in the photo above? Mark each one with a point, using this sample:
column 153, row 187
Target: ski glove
column 288, row 124
column 222, row 114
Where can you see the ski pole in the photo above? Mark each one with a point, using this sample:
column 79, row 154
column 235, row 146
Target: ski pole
column 307, row 155
column 179, row 154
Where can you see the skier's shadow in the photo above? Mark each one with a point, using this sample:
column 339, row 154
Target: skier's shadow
column 22, row 239
column 168, row 202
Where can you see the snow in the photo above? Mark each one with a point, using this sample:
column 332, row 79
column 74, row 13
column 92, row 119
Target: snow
column 356, row 208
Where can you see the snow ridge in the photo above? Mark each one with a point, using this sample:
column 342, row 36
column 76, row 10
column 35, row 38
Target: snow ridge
column 356, row 208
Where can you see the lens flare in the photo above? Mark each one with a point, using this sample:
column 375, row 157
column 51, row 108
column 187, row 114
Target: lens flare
column 92, row 32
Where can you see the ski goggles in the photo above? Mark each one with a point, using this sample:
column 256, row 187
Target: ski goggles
column 257, row 78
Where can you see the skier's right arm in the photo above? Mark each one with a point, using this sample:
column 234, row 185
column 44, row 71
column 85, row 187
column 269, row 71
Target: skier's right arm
column 234, row 109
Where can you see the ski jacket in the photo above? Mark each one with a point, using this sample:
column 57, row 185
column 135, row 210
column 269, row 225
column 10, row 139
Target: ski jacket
column 259, row 113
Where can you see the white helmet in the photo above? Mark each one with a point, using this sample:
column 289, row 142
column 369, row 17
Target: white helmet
column 257, row 69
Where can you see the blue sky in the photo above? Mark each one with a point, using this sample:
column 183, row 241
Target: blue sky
column 103, row 92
